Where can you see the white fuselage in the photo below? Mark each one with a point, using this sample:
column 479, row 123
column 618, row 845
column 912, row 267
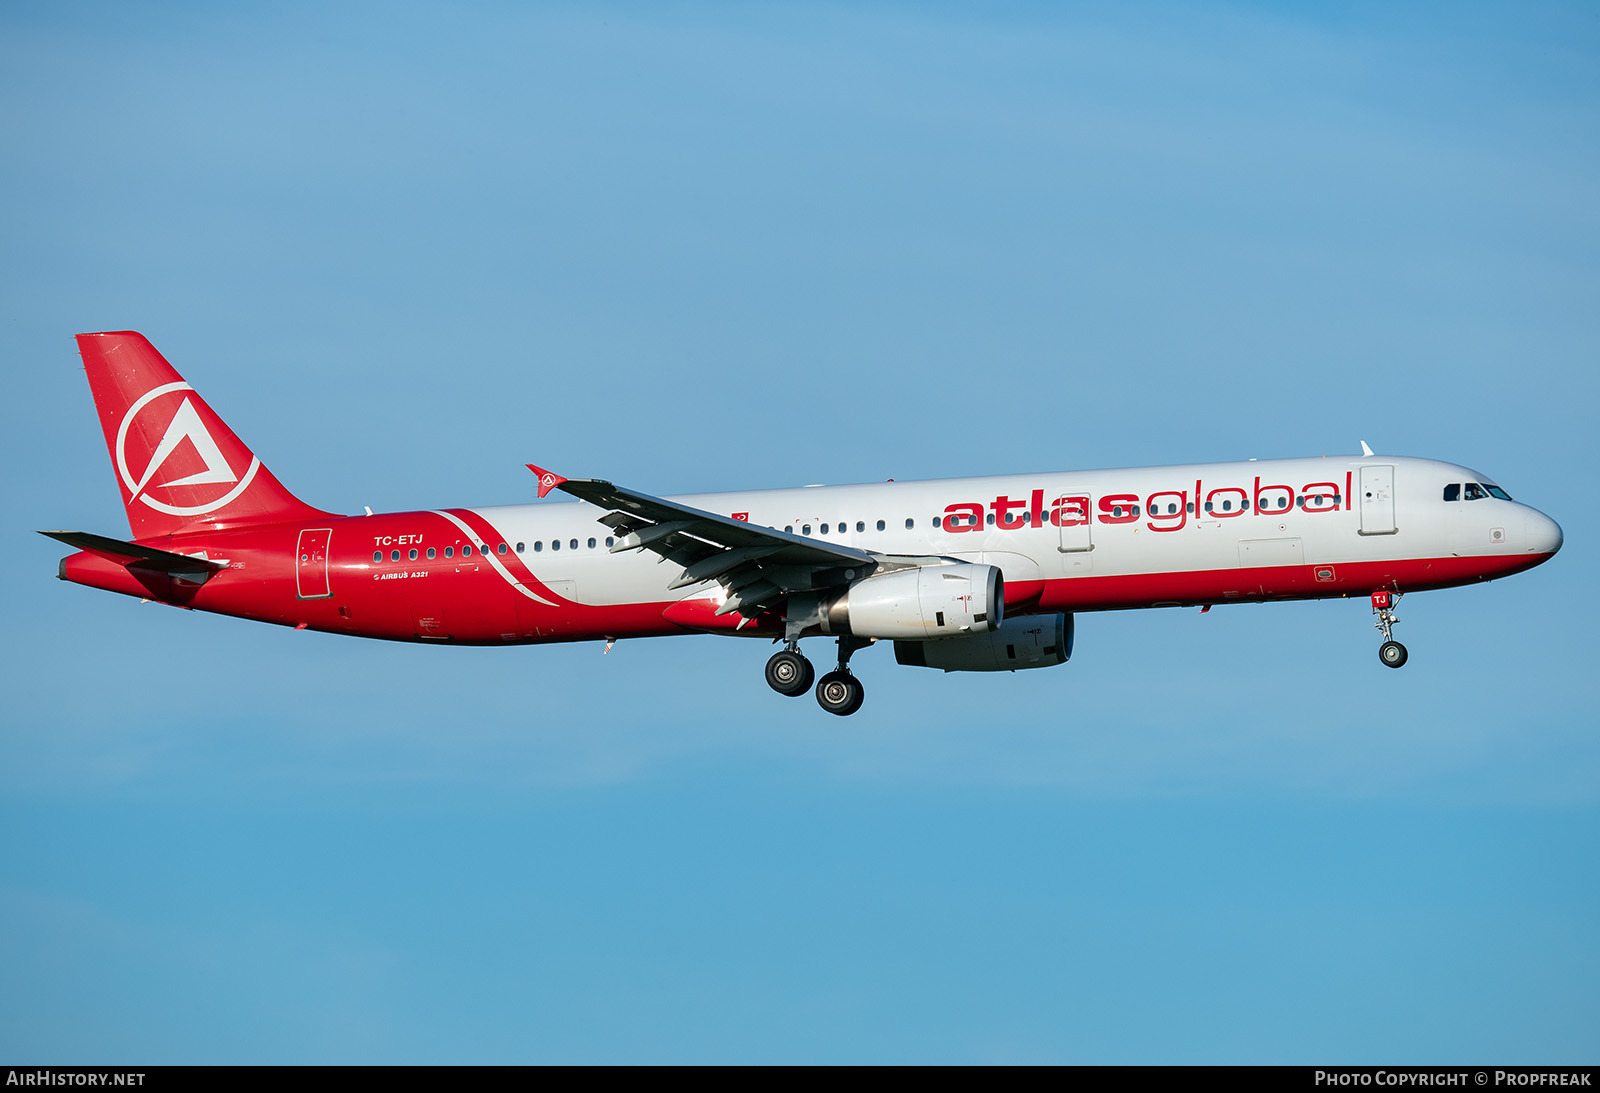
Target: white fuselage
column 1109, row 538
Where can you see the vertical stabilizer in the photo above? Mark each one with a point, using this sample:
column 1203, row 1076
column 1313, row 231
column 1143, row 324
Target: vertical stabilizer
column 179, row 466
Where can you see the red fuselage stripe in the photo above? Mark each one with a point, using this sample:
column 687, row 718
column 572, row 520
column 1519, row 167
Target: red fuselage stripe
column 470, row 600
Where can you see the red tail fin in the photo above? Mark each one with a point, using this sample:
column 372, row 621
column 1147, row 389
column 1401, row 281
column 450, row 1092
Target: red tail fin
column 179, row 466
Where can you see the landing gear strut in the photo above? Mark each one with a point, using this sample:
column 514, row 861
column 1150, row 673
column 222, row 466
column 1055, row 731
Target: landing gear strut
column 1391, row 652
column 839, row 692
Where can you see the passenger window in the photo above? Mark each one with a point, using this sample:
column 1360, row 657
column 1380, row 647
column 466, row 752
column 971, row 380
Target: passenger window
column 466, row 550
column 610, row 541
column 861, row 525
column 449, row 552
column 591, row 544
column 432, row 554
column 991, row 519
column 522, row 548
column 824, row 529
column 573, row 544
column 910, row 523
column 377, row 555
column 394, row 555
column 555, row 544
column 413, row 554
column 788, row 529
column 538, row 546
column 1208, row 506
column 501, row 549
column 880, row 525
column 1227, row 506
column 805, row 529
column 935, row 521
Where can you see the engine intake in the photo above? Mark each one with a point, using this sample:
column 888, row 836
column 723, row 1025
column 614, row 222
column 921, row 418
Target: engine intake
column 927, row 602
column 1028, row 641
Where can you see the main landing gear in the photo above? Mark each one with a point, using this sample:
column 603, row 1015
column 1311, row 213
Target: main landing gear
column 839, row 692
column 789, row 673
column 1391, row 652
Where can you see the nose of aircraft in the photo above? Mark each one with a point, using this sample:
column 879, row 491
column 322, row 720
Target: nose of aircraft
column 1541, row 534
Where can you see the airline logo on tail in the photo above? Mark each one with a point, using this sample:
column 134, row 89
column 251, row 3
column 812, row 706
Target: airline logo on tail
column 184, row 424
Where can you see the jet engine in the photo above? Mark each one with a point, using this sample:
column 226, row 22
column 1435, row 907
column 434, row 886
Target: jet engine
column 926, row 602
column 1027, row 641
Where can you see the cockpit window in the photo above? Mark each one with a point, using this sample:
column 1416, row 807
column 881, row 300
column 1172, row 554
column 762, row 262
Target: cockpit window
column 1496, row 491
column 1452, row 492
column 1476, row 492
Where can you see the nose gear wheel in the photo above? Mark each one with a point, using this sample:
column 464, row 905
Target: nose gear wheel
column 1391, row 652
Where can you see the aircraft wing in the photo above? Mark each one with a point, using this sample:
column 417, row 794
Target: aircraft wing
column 756, row 565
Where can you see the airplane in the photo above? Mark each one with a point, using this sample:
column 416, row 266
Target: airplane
column 963, row 575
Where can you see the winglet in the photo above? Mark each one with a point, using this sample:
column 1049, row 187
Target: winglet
column 548, row 480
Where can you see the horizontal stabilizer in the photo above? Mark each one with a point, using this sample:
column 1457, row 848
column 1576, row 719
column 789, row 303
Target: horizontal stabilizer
column 133, row 554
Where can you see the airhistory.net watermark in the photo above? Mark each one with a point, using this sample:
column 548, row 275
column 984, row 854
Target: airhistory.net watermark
column 37, row 1076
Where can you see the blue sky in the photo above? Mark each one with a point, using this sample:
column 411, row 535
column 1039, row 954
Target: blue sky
column 404, row 250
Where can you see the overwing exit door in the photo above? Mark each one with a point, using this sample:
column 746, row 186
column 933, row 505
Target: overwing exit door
column 1077, row 523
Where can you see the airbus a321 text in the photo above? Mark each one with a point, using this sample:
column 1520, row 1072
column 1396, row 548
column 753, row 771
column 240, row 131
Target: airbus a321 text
column 965, row 575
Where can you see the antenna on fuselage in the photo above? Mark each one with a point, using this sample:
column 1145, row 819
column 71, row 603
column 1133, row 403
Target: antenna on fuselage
column 1365, row 451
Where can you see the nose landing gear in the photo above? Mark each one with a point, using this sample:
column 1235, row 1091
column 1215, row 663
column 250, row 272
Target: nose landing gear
column 1391, row 652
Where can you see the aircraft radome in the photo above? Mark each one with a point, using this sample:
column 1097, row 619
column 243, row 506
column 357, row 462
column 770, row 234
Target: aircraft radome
column 965, row 574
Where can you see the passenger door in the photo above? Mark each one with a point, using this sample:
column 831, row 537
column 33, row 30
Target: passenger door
column 1377, row 500
column 311, row 564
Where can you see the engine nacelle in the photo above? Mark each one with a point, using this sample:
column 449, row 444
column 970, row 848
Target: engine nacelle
column 927, row 602
column 1027, row 641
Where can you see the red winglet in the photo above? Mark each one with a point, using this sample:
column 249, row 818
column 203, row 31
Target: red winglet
column 548, row 480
